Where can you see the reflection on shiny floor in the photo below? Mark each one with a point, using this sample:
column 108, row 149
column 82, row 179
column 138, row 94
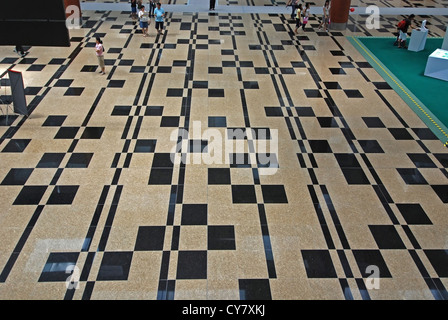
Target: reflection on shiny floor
column 351, row 186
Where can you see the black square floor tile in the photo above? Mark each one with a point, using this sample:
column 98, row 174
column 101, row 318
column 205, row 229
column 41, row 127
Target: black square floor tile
column 160, row 176
column 32, row 91
column 250, row 85
column 194, row 214
column 79, row 160
column 9, row 60
column 274, row 194
column 125, row 62
column 36, row 67
column 260, row 70
column 273, row 111
column 318, row 264
column 327, row 122
column 239, row 160
column 373, row 122
column 74, row 91
column 216, row 93
column 442, row 158
column 312, row 93
column 172, row 92
column 413, row 213
column 138, row 69
column 386, row 237
column 347, row 160
column 337, row 53
column 424, row 134
column 412, row 176
column 170, row 121
column 355, row 176
column 287, row 71
column 363, row 64
column 221, row 238
column 382, row 85
column 67, row 133
column 7, row 121
column 336, row 71
column 254, row 289
column 54, row 121
column 121, row 111
column 370, row 146
column 441, row 191
column 197, row 146
column 56, row 266
column 115, row 266
column 57, row 61
column 145, row 146
column 30, row 195
column 154, row 111
column 63, row 195
column 200, row 84
column 421, row 160
column 305, row 111
column 320, row 146
column 64, row 83
column 16, row 177
column 16, row 145
column 243, row 194
column 332, row 85
column 219, row 176
column 92, row 133
column 365, row 258
column 346, row 64
column 217, row 122
column 51, row 160
column 116, row 83
column 400, row 134
column 163, row 69
column 162, row 160
column 439, row 261
column 192, row 265
column 150, row 238
column 353, row 93
column 89, row 68
column 216, row 70
column 28, row 61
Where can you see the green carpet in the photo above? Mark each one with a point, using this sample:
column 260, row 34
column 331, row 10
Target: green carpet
column 404, row 71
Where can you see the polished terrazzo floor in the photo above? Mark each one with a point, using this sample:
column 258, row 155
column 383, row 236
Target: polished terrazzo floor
column 355, row 180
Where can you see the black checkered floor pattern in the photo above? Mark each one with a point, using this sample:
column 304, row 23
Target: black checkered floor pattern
column 153, row 182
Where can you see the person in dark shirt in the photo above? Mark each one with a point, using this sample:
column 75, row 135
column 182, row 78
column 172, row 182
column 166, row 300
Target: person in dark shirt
column 403, row 30
column 134, row 9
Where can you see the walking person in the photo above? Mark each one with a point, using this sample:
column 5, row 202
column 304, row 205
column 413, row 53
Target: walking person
column 326, row 16
column 159, row 13
column 99, row 49
column 144, row 20
column 298, row 18
column 293, row 4
column 152, row 7
column 212, row 4
column 403, row 27
column 19, row 50
column 134, row 9
column 306, row 15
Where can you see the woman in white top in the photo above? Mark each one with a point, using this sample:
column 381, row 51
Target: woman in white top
column 144, row 20
column 326, row 16
column 99, row 49
column 306, row 15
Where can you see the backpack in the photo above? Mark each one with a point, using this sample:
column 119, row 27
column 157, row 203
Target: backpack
column 401, row 24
